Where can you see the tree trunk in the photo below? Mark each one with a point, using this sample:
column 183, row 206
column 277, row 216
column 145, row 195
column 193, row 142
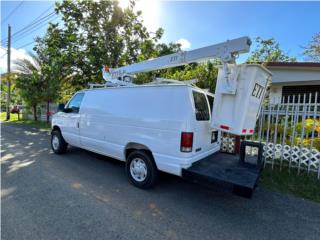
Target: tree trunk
column 48, row 111
column 35, row 112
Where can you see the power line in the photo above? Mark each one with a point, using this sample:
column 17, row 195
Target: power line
column 35, row 28
column 31, row 26
column 12, row 12
column 37, row 20
column 27, row 44
column 43, row 13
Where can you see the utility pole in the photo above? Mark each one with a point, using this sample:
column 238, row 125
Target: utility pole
column 8, row 73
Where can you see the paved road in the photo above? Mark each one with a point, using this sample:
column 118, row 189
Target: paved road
column 82, row 195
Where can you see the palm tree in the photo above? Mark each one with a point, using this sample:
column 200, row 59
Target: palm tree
column 28, row 66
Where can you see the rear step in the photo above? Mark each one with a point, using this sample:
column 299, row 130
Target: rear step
column 240, row 173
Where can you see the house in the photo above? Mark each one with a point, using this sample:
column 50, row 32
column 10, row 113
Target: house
column 294, row 78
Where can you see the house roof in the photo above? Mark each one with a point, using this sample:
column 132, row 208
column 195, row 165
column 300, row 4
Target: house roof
column 309, row 65
column 294, row 73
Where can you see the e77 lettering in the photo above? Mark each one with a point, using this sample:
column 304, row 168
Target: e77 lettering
column 257, row 91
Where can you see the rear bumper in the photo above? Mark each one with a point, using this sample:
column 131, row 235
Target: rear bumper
column 174, row 165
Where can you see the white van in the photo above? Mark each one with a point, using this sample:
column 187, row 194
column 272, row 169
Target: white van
column 159, row 127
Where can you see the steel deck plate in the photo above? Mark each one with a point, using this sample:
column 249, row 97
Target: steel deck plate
column 224, row 168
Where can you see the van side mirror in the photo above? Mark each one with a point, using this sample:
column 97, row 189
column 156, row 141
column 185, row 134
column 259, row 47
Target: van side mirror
column 67, row 110
column 60, row 107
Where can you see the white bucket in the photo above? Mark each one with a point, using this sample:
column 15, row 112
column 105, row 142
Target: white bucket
column 237, row 102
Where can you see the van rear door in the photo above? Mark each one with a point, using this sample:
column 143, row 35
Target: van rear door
column 205, row 137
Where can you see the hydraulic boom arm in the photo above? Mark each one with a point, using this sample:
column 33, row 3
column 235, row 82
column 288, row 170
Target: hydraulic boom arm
column 226, row 52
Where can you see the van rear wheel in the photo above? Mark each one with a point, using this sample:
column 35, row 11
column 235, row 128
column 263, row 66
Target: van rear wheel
column 58, row 144
column 141, row 169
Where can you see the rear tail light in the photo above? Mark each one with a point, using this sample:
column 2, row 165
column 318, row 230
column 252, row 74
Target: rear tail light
column 224, row 127
column 186, row 141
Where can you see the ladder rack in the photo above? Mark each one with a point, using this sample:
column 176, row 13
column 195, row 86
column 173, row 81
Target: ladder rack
column 157, row 81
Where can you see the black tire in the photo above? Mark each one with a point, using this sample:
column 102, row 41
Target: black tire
column 152, row 171
column 62, row 145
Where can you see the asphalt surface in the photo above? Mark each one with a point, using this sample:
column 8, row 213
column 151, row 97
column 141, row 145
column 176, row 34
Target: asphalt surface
column 82, row 195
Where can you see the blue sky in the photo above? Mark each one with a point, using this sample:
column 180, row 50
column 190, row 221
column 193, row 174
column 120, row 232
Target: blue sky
column 292, row 24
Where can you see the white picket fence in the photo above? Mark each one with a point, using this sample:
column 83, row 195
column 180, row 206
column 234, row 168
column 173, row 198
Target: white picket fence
column 290, row 132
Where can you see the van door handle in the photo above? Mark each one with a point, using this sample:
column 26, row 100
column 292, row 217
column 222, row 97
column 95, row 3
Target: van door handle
column 78, row 124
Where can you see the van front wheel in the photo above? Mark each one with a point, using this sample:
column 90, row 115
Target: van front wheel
column 58, row 144
column 141, row 169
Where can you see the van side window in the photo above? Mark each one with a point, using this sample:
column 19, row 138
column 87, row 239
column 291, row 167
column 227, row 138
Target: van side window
column 210, row 100
column 75, row 102
column 201, row 106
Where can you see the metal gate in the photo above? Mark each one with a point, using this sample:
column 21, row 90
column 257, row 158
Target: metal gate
column 290, row 132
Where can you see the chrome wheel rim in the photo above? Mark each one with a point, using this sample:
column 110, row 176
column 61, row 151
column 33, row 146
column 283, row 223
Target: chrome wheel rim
column 138, row 169
column 55, row 142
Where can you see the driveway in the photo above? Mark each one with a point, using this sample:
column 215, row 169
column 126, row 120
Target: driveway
column 82, row 195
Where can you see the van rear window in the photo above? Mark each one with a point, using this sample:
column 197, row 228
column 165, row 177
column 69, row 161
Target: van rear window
column 201, row 106
column 210, row 100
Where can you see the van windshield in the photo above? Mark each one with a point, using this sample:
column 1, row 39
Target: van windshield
column 201, row 106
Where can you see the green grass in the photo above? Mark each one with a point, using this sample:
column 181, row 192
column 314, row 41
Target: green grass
column 303, row 185
column 31, row 123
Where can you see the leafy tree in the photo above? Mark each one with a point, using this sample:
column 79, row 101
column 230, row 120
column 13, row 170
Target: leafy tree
column 29, row 82
column 52, row 63
column 101, row 33
column 313, row 49
column 29, row 86
column 15, row 98
column 96, row 34
column 42, row 75
column 205, row 73
column 50, row 85
column 268, row 50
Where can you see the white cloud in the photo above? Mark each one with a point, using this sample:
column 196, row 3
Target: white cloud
column 185, row 44
column 15, row 55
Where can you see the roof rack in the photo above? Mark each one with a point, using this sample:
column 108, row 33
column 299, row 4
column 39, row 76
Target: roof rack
column 191, row 82
column 109, row 84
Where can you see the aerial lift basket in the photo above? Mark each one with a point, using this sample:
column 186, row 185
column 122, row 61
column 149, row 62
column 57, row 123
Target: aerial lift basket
column 239, row 94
